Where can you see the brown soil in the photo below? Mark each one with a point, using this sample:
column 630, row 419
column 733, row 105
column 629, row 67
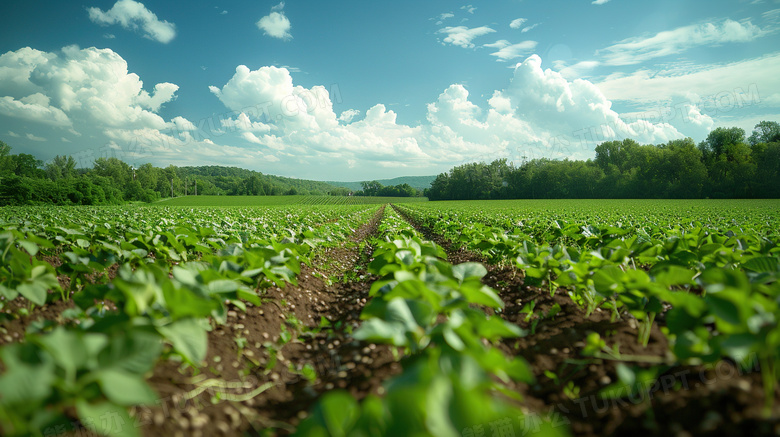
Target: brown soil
column 282, row 336
column 686, row 401
column 13, row 327
column 335, row 287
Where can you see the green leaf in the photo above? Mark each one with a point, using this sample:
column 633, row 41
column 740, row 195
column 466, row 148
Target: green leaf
column 453, row 339
column 334, row 415
column 223, row 286
column 66, row 347
column 608, row 279
column 380, row 331
column 250, row 297
column 468, row 270
column 482, row 295
column 674, row 275
column 762, row 264
column 136, row 352
column 35, row 292
column 123, row 388
column 26, row 384
column 185, row 276
column 725, row 309
column 29, row 246
column 188, row 338
column 106, row 418
column 740, row 346
column 184, row 302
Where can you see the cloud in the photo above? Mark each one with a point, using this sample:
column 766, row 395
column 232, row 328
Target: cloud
column 34, row 107
column 133, row 15
column 181, row 124
column 462, row 36
column 575, row 71
column 508, row 51
column 529, row 28
column 274, row 125
column 640, row 49
column 646, row 87
column 109, row 36
column 347, row 116
column 79, row 90
column 721, row 92
column 32, row 137
column 16, row 69
column 13, row 134
column 469, row 8
column 576, row 110
column 599, row 2
column 517, row 23
column 443, row 17
column 539, row 114
column 90, row 93
column 276, row 24
column 269, row 94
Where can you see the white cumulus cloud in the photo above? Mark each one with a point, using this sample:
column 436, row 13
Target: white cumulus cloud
column 539, row 114
column 462, row 36
column 348, row 115
column 276, row 24
column 576, row 109
column 133, row 15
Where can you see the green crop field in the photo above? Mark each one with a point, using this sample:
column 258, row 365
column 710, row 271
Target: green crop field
column 284, row 200
column 318, row 315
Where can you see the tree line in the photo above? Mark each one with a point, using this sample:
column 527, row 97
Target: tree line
column 374, row 188
column 727, row 164
column 25, row 179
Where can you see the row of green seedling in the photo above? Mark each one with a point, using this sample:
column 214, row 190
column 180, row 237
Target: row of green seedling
column 454, row 382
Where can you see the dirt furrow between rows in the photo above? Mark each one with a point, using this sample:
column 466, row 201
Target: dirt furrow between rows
column 267, row 366
column 568, row 384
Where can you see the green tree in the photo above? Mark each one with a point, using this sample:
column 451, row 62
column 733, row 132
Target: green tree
column 25, row 165
column 615, row 153
column 148, row 176
column 61, row 167
column 765, row 132
column 370, row 188
column 717, row 140
column 5, row 159
column 686, row 172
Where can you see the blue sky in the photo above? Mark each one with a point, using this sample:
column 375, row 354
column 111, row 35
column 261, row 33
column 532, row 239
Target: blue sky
column 362, row 90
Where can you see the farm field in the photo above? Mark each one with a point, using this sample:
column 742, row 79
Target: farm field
column 389, row 317
column 283, row 200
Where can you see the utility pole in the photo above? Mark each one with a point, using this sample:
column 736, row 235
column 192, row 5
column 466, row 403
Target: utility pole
column 171, row 188
column 185, row 187
column 196, row 187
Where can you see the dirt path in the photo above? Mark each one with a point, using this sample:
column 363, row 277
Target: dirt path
column 702, row 400
column 276, row 347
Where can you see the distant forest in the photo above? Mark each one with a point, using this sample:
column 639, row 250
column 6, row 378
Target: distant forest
column 25, row 180
column 725, row 165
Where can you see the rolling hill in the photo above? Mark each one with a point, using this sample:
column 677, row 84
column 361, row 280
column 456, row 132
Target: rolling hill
column 419, row 182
